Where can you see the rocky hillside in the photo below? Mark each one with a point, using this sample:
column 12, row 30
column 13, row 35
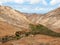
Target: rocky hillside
column 13, row 17
column 11, row 20
column 50, row 19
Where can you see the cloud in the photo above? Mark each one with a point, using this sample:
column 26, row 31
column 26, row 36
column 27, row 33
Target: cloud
column 29, row 1
column 19, row 1
column 5, row 0
column 44, row 2
column 34, row 1
column 0, row 3
column 16, row 1
column 23, row 1
column 54, row 2
column 38, row 1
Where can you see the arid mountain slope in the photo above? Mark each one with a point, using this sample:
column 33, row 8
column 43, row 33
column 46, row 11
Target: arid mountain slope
column 50, row 19
column 12, row 21
column 13, row 17
column 21, row 20
column 34, row 17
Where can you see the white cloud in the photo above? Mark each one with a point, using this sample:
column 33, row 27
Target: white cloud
column 53, row 2
column 44, row 2
column 16, row 1
column 19, row 1
column 34, row 1
column 22, row 1
column 5, row 0
column 37, row 1
column 0, row 3
column 30, row 1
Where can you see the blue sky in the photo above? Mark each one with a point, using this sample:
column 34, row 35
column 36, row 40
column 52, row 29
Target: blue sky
column 32, row 6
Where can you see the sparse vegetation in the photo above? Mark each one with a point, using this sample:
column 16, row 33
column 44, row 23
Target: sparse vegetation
column 4, row 39
column 40, row 29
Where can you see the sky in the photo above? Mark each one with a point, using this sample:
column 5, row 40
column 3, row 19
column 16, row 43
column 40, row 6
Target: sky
column 32, row 6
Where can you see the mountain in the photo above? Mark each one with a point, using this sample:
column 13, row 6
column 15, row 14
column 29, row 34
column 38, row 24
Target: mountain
column 50, row 19
column 10, row 18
